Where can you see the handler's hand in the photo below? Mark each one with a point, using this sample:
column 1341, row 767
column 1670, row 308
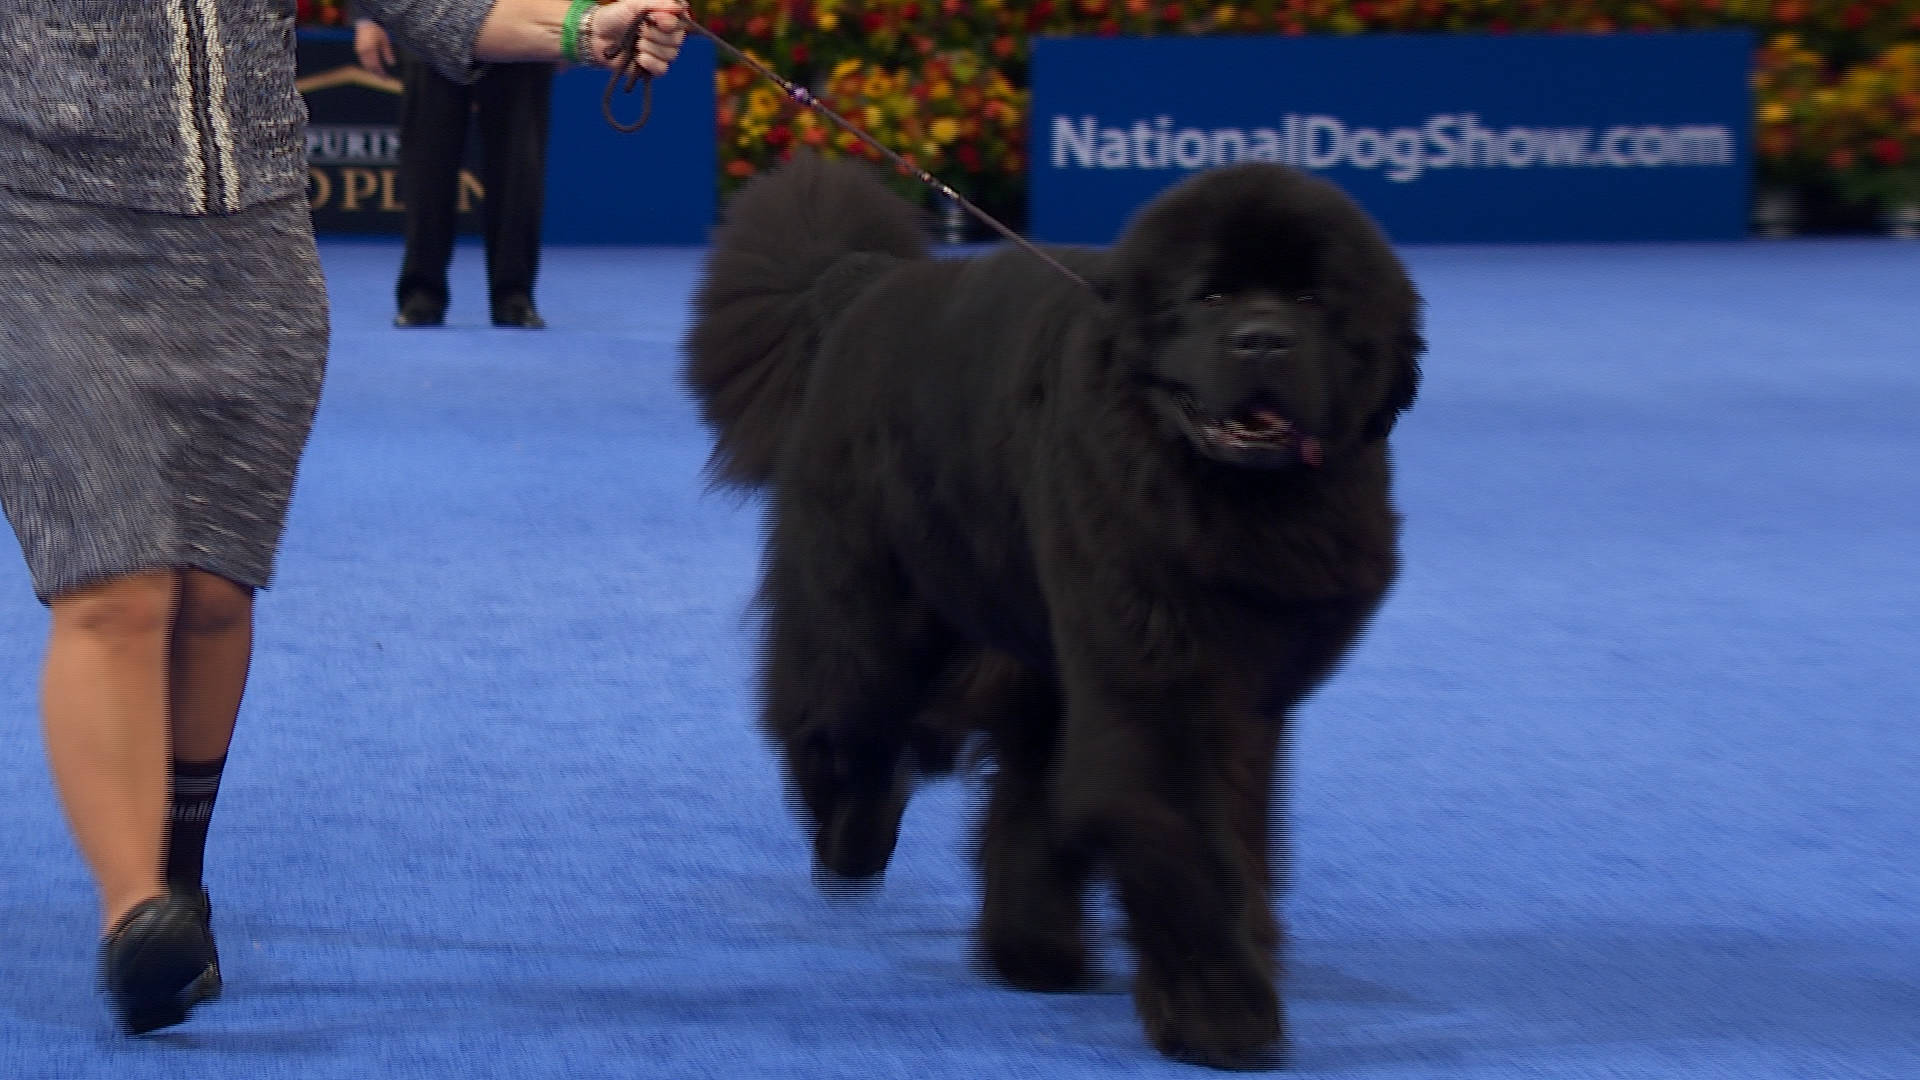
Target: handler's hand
column 373, row 47
column 659, row 41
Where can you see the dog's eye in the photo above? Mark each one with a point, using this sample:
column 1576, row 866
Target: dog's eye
column 1214, row 299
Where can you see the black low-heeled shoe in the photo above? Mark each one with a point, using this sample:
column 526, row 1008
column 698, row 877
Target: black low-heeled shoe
column 153, row 964
column 208, row 986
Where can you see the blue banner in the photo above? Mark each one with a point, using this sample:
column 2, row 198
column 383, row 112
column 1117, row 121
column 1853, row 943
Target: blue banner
column 656, row 186
column 1444, row 138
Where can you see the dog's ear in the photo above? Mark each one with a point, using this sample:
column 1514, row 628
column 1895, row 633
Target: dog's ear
column 1401, row 355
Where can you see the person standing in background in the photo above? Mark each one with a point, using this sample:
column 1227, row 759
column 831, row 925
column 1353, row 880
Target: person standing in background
column 512, row 102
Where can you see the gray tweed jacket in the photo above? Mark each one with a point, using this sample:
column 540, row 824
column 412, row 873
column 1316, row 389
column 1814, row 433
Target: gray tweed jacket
column 179, row 106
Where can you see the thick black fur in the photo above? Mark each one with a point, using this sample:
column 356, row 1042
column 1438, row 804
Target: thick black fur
column 1002, row 502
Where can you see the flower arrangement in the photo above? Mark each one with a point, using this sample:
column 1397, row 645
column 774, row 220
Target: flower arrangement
column 952, row 115
column 1789, row 80
column 1866, row 128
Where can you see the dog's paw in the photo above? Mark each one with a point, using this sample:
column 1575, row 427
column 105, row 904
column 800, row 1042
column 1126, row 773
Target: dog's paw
column 1044, row 965
column 855, row 791
column 856, row 841
column 1222, row 1017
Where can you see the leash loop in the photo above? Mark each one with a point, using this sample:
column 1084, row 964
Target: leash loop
column 622, row 59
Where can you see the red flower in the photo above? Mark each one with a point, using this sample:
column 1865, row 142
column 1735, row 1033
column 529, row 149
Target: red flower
column 779, row 135
column 1856, row 17
column 800, row 52
column 1172, row 14
column 969, row 157
column 1889, row 151
column 873, row 22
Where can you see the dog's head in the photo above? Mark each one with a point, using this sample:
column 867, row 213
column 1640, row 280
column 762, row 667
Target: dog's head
column 1267, row 317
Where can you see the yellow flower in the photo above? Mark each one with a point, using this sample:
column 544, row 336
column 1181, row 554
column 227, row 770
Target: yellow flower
column 1774, row 112
column 944, row 130
column 762, row 103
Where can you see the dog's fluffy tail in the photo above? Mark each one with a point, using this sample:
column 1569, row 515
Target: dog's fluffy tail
column 796, row 246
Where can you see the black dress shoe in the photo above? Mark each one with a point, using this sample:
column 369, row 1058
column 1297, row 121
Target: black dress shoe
column 153, row 964
column 420, row 311
column 208, row 986
column 517, row 312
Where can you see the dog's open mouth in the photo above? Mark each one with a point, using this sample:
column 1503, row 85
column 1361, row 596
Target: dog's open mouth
column 1257, row 436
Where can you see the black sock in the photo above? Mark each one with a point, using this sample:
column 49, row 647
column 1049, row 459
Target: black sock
column 195, row 784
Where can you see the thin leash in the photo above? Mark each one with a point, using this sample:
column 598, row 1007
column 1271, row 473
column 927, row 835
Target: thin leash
column 625, row 52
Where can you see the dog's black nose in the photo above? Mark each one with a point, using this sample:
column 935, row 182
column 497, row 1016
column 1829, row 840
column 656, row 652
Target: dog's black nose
column 1260, row 340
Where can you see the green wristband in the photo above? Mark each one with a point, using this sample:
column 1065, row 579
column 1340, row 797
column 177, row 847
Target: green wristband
column 570, row 30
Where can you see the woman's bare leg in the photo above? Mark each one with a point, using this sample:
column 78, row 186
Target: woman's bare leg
column 212, row 649
column 104, row 710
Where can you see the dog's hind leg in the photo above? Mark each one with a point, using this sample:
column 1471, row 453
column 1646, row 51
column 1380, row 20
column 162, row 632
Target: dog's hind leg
column 1033, row 909
column 850, row 657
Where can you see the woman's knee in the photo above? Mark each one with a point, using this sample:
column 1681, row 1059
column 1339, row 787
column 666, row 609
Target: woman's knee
column 124, row 608
column 210, row 605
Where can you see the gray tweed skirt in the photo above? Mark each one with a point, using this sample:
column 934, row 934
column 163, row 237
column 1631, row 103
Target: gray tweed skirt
column 158, row 379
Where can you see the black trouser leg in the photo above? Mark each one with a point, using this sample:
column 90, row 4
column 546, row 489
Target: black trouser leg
column 514, row 102
column 433, row 140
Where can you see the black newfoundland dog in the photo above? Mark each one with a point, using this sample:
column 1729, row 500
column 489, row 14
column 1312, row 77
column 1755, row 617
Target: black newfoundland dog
column 1120, row 531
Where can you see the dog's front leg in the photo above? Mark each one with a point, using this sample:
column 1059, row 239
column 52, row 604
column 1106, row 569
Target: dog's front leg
column 1154, row 777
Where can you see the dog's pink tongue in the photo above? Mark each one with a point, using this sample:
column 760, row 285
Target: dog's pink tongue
column 1311, row 451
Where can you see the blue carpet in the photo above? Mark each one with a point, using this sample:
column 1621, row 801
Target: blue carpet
column 1624, row 782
